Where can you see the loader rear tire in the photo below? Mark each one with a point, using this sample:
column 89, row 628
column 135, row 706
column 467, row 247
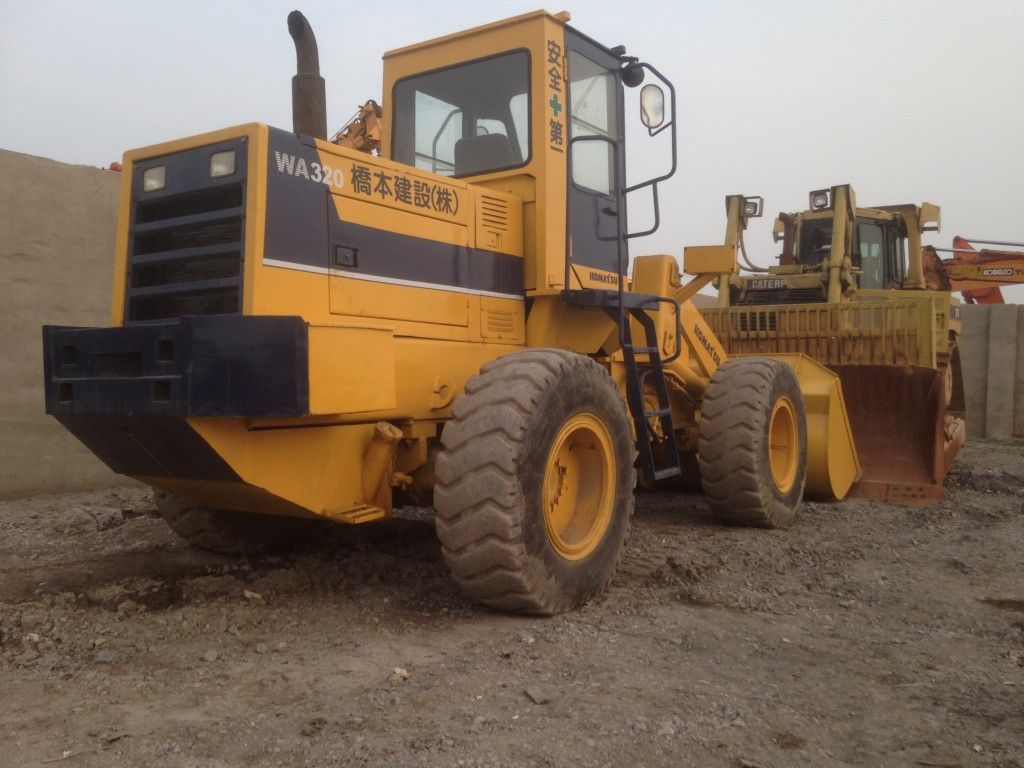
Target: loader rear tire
column 535, row 482
column 227, row 532
column 753, row 443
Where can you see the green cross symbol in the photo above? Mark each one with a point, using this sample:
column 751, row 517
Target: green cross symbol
column 555, row 106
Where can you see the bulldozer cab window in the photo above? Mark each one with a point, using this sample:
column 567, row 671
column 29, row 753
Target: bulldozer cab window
column 896, row 257
column 815, row 242
column 869, row 255
column 465, row 120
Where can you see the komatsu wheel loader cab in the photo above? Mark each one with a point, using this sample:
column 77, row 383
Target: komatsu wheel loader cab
column 304, row 330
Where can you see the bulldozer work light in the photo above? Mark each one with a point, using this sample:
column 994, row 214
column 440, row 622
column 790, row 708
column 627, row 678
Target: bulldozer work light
column 752, row 207
column 154, row 178
column 222, row 164
column 820, row 199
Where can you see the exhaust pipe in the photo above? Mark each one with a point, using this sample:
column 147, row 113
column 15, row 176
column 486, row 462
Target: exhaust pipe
column 309, row 102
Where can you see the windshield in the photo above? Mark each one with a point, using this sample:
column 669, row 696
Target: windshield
column 815, row 242
column 464, row 120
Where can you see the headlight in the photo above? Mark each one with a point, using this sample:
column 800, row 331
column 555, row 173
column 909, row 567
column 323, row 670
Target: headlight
column 154, row 179
column 222, row 164
column 819, row 199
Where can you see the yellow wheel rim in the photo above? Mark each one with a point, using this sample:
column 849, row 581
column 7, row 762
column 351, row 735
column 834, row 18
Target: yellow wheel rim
column 783, row 444
column 579, row 487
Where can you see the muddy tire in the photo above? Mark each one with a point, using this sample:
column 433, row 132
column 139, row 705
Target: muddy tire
column 227, row 532
column 753, row 443
column 535, row 482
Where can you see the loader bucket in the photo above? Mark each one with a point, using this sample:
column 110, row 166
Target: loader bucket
column 832, row 465
column 898, row 416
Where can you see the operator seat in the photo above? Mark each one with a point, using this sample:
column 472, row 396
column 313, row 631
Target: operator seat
column 477, row 154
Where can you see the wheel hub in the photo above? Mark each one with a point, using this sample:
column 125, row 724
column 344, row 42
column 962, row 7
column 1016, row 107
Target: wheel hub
column 579, row 486
column 783, row 444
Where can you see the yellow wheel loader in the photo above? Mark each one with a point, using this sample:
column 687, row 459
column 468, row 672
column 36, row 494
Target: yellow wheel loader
column 302, row 329
column 852, row 291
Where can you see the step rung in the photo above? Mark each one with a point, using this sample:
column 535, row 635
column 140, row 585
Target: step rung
column 658, row 413
column 665, row 474
column 642, row 350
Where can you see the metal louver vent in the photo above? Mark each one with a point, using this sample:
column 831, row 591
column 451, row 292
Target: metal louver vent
column 500, row 323
column 494, row 213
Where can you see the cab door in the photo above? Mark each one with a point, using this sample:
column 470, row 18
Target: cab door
column 596, row 165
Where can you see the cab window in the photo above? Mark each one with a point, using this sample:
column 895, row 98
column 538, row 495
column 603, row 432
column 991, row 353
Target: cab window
column 465, row 120
column 896, row 267
column 592, row 90
column 871, row 248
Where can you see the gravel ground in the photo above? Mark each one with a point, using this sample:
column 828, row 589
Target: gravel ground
column 865, row 635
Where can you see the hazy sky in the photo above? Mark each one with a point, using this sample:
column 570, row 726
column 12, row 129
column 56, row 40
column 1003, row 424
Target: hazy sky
column 908, row 100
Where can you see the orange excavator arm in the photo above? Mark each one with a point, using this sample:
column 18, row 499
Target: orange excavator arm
column 362, row 131
column 978, row 274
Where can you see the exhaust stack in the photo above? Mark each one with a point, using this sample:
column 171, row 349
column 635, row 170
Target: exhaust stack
column 309, row 102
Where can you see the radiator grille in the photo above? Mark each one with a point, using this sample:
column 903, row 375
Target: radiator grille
column 186, row 245
column 759, row 321
column 851, row 333
column 783, row 296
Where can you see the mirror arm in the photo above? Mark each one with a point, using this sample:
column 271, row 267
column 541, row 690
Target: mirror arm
column 655, row 131
column 653, row 183
column 657, row 212
column 670, row 124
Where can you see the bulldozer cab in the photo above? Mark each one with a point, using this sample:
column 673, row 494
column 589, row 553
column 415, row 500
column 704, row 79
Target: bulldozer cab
column 879, row 253
column 834, row 251
column 877, row 247
column 532, row 107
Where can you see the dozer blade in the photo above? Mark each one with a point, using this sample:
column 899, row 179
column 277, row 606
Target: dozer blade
column 905, row 445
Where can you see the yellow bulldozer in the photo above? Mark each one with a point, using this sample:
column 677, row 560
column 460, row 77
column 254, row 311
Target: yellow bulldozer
column 853, row 290
column 302, row 328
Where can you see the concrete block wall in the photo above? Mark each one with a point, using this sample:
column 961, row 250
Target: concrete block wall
column 992, row 358
column 57, row 227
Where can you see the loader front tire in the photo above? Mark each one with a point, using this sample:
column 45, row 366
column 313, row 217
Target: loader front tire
column 227, row 532
column 753, row 443
column 535, row 482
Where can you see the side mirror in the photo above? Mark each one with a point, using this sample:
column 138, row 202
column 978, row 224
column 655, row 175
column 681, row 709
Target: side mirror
column 652, row 106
